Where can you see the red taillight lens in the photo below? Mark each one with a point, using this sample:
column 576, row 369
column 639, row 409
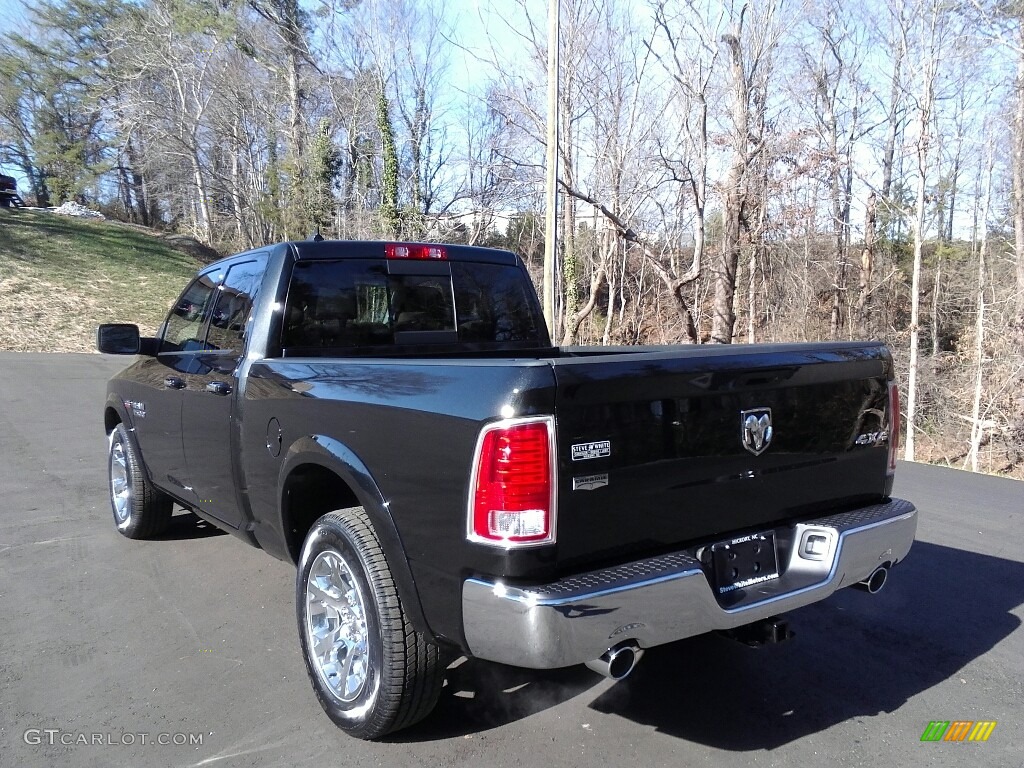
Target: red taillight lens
column 415, row 251
column 512, row 499
column 894, row 425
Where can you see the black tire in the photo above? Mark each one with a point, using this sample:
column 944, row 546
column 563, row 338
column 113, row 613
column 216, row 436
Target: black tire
column 402, row 673
column 140, row 510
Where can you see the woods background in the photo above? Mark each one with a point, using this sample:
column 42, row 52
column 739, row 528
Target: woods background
column 737, row 172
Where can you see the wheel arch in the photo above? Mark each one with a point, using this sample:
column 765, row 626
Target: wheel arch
column 114, row 414
column 319, row 475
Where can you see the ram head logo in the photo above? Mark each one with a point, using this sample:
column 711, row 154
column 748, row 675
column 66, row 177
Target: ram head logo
column 756, row 429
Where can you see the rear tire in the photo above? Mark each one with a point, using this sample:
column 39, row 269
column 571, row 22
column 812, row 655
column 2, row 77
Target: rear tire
column 372, row 672
column 140, row 510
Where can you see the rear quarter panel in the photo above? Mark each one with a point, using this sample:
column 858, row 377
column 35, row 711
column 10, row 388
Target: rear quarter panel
column 414, row 425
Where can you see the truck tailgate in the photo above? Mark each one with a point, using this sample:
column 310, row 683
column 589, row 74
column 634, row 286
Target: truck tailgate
column 658, row 449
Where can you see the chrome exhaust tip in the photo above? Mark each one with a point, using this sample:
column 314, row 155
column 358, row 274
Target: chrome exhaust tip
column 616, row 663
column 873, row 584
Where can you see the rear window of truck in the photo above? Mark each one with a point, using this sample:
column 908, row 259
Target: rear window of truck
column 355, row 303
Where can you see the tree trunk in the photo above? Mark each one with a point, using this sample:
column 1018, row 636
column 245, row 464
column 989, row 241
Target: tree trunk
column 867, row 265
column 138, row 185
column 570, row 258
column 924, row 124
column 723, row 322
column 835, row 189
column 204, row 229
column 389, row 155
column 893, row 120
column 292, row 33
column 977, row 433
column 724, row 319
column 124, row 190
column 574, row 321
column 935, row 314
column 1018, row 180
column 751, row 294
column 612, row 295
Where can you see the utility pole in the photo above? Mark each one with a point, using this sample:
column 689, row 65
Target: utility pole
column 551, row 191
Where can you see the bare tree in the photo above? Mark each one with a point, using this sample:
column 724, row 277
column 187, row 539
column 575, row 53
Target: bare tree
column 930, row 53
column 691, row 63
column 896, row 41
column 977, row 431
column 1018, row 172
column 833, row 72
column 867, row 263
column 750, row 49
column 168, row 87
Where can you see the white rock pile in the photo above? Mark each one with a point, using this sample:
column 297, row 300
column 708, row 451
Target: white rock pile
column 71, row 208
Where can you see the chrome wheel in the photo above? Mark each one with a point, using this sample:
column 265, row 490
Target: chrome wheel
column 120, row 489
column 336, row 631
column 371, row 671
column 140, row 510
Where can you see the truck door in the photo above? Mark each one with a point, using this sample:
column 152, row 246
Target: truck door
column 211, row 402
column 157, row 389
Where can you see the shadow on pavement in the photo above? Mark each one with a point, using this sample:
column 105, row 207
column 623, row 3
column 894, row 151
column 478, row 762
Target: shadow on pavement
column 854, row 655
column 480, row 695
column 187, row 525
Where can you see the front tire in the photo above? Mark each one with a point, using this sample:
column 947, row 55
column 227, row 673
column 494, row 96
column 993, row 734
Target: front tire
column 140, row 510
column 372, row 672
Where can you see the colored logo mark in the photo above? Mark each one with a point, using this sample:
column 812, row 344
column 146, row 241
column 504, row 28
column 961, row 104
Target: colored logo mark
column 958, row 730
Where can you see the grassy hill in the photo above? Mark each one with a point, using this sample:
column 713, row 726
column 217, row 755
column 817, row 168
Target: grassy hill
column 60, row 276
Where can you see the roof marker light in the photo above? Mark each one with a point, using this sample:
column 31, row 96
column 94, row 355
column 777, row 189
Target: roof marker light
column 415, row 251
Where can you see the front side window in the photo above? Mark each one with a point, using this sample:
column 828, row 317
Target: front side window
column 184, row 326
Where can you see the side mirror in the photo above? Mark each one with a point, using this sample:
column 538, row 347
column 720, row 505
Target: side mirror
column 118, row 339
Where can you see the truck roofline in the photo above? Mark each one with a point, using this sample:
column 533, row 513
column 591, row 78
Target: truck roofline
column 308, row 250
column 374, row 249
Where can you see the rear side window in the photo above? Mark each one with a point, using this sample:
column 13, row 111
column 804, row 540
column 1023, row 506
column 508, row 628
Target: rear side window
column 356, row 303
column 232, row 311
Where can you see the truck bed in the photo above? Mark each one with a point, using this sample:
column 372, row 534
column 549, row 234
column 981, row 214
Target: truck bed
column 676, row 473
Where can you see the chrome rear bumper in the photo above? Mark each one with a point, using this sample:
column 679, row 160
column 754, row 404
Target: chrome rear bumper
column 662, row 599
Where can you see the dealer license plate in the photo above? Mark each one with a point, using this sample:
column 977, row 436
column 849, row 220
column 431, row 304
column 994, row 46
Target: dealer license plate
column 745, row 561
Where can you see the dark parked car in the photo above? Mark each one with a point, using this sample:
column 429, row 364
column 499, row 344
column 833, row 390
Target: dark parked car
column 9, row 192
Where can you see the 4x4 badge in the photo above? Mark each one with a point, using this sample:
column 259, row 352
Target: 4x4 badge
column 756, row 429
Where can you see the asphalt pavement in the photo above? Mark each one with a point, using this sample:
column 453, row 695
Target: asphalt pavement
column 184, row 651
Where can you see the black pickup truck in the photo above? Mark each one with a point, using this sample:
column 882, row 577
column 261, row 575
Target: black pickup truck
column 393, row 418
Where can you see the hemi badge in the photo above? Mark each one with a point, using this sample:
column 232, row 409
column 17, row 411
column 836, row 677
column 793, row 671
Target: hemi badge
column 589, row 482
column 585, row 451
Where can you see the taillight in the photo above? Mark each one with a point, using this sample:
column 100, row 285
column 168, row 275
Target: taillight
column 512, row 490
column 415, row 251
column 894, row 425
